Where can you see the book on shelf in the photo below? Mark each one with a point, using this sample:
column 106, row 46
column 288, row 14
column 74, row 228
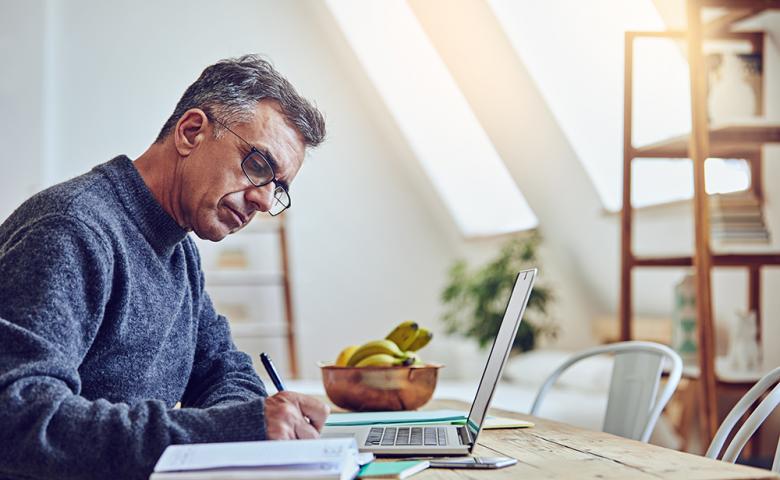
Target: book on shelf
column 734, row 200
column 749, row 217
column 737, row 218
column 320, row 459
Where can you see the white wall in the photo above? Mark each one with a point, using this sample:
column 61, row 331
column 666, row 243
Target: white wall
column 21, row 104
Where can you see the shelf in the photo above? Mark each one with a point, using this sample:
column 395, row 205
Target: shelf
column 726, row 141
column 726, row 374
column 242, row 278
column 760, row 4
column 718, row 260
column 247, row 329
column 748, row 9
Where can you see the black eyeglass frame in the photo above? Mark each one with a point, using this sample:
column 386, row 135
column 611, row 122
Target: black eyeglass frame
column 280, row 192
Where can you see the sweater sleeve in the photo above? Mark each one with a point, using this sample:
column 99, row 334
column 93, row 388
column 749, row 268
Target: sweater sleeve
column 221, row 374
column 55, row 279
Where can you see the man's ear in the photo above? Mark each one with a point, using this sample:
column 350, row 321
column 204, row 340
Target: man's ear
column 190, row 131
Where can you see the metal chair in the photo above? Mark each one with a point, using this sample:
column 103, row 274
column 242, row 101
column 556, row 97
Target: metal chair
column 633, row 405
column 749, row 427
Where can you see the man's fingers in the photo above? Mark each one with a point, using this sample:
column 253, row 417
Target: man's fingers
column 316, row 411
column 304, row 430
column 294, row 415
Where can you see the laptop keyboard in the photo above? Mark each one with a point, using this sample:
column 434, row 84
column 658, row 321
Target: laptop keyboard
column 423, row 436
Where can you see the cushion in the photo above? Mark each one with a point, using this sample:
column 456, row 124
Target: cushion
column 532, row 368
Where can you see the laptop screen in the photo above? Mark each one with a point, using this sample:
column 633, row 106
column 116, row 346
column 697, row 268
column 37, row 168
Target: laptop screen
column 502, row 344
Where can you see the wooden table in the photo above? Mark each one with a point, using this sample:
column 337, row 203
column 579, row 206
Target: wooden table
column 556, row 450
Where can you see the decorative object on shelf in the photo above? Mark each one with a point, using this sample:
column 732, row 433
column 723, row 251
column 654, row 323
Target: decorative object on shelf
column 734, row 86
column 232, row 258
column 476, row 300
column 235, row 312
column 684, row 320
column 744, row 350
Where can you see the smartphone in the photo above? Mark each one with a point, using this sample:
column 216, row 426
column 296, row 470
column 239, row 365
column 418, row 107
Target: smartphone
column 472, row 462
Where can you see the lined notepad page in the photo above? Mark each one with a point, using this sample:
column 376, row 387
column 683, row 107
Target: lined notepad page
column 255, row 454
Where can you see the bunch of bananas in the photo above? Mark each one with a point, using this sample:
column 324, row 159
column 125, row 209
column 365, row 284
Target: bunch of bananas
column 398, row 348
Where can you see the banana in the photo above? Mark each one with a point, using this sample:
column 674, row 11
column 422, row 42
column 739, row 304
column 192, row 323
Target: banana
column 345, row 354
column 385, row 346
column 403, row 334
column 383, row 360
column 423, row 337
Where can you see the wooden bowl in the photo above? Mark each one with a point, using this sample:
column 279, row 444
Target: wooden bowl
column 380, row 388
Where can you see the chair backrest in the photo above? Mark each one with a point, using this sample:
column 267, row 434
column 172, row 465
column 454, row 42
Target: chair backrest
column 633, row 405
column 749, row 427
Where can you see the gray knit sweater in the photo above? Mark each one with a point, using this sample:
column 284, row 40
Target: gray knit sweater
column 104, row 326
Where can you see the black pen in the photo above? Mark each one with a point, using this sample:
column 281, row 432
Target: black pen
column 269, row 367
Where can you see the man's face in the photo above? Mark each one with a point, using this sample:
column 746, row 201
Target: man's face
column 217, row 199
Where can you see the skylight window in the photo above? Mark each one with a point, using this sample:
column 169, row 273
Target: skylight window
column 433, row 115
column 668, row 180
column 574, row 51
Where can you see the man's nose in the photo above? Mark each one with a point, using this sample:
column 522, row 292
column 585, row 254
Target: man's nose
column 261, row 198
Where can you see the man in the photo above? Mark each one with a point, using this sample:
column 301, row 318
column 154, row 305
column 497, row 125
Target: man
column 104, row 322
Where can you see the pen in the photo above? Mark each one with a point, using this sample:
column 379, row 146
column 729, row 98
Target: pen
column 269, row 367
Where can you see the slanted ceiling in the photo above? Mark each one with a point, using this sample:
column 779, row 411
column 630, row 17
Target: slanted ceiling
column 574, row 53
column 436, row 120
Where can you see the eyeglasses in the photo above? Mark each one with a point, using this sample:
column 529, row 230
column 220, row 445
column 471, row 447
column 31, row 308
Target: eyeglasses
column 258, row 170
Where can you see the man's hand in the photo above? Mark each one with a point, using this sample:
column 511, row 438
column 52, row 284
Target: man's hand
column 290, row 415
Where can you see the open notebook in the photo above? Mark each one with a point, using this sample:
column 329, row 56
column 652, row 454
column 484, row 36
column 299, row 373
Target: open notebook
column 326, row 459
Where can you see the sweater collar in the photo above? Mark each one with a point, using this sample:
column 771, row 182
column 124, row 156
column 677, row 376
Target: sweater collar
column 156, row 225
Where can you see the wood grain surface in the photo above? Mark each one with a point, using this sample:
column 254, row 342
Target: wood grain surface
column 553, row 450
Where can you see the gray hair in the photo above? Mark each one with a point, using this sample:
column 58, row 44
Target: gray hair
column 230, row 89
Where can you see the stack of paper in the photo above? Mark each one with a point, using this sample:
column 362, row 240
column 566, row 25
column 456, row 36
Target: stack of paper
column 326, row 459
column 737, row 218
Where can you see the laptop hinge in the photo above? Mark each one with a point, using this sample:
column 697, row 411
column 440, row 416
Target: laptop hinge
column 464, row 436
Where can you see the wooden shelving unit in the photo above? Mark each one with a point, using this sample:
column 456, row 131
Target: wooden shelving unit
column 727, row 141
column 718, row 260
column 704, row 141
column 273, row 277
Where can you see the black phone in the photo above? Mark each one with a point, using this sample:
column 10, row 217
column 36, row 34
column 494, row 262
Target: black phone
column 472, row 462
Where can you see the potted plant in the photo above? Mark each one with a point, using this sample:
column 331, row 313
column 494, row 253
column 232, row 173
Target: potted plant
column 475, row 300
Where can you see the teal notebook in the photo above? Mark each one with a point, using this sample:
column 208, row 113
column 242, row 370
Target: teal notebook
column 392, row 469
column 453, row 417
column 372, row 418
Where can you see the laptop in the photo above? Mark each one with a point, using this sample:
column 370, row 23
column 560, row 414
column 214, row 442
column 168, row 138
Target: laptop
column 446, row 439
